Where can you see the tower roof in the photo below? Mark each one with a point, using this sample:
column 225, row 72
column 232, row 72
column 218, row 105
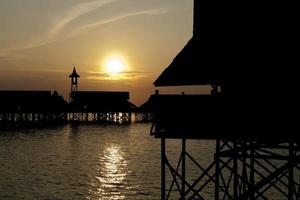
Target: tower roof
column 74, row 74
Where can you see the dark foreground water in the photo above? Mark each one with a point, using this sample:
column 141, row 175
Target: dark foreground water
column 85, row 162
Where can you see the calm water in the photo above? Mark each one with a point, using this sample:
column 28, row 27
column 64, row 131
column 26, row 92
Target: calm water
column 86, row 162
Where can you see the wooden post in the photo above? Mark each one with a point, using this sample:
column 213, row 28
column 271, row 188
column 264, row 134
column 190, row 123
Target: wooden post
column 217, row 169
column 291, row 172
column 183, row 169
column 163, row 168
column 235, row 172
column 252, row 180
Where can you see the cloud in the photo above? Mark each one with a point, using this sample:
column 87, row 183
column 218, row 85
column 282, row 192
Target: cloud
column 72, row 14
column 51, row 36
column 10, row 55
column 123, row 16
column 75, row 13
column 127, row 75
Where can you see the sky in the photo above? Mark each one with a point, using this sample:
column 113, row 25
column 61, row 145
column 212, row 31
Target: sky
column 41, row 40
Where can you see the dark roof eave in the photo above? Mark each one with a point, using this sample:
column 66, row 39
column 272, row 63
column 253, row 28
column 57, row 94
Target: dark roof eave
column 194, row 65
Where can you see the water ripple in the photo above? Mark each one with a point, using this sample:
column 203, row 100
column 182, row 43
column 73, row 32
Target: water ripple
column 82, row 162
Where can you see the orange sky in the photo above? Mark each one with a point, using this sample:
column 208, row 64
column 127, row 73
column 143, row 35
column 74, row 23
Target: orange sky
column 41, row 40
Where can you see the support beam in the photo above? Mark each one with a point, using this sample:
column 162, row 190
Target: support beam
column 252, row 167
column 235, row 170
column 291, row 173
column 217, row 169
column 163, row 168
column 183, row 169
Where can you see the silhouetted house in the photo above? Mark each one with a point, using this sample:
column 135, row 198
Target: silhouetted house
column 31, row 105
column 145, row 112
column 98, row 101
column 24, row 101
column 58, row 103
column 246, row 58
column 245, row 50
column 200, row 62
column 197, row 64
column 98, row 106
column 149, row 105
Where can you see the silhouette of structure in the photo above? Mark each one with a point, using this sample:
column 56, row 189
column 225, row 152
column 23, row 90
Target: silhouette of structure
column 74, row 80
column 145, row 113
column 257, row 149
column 44, row 107
column 98, row 106
column 31, row 107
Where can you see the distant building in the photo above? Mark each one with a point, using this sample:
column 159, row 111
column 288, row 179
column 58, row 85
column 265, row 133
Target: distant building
column 31, row 106
column 98, row 105
column 101, row 101
column 27, row 106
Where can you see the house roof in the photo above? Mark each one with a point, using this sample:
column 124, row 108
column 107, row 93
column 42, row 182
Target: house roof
column 196, row 64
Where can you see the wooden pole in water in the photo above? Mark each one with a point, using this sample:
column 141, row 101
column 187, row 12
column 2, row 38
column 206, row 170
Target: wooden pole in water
column 235, row 168
column 291, row 172
column 163, row 168
column 252, row 180
column 217, row 169
column 183, row 169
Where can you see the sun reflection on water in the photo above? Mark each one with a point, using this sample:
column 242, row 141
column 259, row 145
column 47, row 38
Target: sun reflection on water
column 112, row 172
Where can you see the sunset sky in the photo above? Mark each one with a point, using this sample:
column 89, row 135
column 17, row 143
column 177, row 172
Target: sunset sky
column 40, row 41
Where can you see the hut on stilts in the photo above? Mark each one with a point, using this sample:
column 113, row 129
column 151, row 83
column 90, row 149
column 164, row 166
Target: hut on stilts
column 256, row 135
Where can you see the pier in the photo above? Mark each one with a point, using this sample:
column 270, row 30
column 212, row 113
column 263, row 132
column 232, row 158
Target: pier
column 45, row 107
column 98, row 106
column 95, row 106
column 25, row 107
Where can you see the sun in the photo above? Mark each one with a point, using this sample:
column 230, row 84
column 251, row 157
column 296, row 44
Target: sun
column 115, row 66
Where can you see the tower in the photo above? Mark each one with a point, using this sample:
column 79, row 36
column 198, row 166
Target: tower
column 74, row 80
